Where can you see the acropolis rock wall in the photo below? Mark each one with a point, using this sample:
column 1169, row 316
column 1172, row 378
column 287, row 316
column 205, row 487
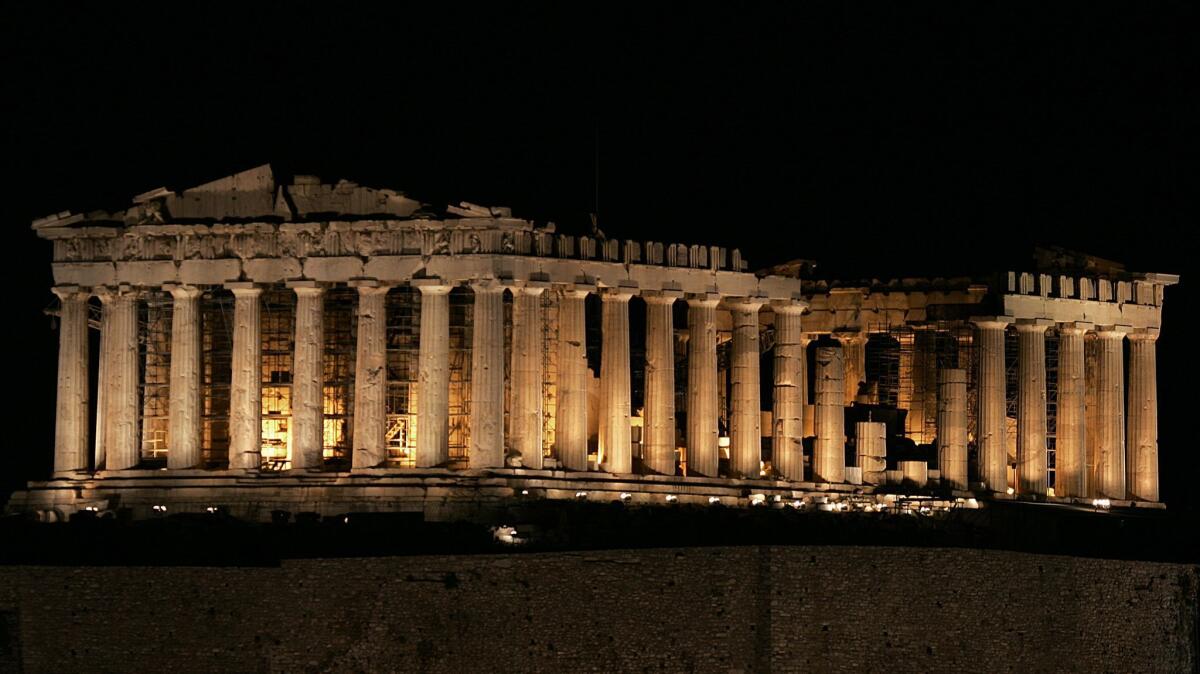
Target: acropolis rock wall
column 749, row 609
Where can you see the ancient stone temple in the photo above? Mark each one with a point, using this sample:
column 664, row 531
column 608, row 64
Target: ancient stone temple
column 253, row 346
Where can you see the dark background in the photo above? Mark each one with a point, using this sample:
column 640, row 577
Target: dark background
column 898, row 140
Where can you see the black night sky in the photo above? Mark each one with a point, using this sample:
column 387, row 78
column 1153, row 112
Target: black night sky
column 900, row 139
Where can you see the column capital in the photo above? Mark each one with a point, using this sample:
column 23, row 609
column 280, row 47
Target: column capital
column 664, row 296
column 110, row 293
column 516, row 284
column 182, row 291
column 1033, row 324
column 533, row 288
column 365, row 285
column 792, row 306
column 1143, row 334
column 747, row 304
column 244, row 288
column 372, row 290
column 1074, row 327
column 70, row 292
column 617, row 293
column 306, row 287
column 992, row 322
column 710, row 299
column 486, row 285
column 1112, row 331
column 577, row 290
column 432, row 285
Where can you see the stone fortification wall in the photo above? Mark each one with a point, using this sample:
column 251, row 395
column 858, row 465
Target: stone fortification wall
column 691, row 609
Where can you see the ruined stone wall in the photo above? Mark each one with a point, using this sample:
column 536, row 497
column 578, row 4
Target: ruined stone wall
column 712, row 609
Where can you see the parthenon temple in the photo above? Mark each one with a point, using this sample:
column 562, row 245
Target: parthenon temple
column 320, row 347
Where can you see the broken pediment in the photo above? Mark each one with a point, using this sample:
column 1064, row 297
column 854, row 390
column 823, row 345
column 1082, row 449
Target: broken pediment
column 310, row 197
column 253, row 195
column 466, row 209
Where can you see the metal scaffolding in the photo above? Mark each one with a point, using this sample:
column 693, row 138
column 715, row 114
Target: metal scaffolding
column 154, row 344
column 549, row 369
column 403, row 309
column 337, row 384
column 216, row 371
column 277, row 334
column 462, row 309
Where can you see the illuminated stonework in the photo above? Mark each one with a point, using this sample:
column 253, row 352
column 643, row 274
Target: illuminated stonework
column 314, row 334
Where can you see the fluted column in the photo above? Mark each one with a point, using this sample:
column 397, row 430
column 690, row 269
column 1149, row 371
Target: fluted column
column 1031, row 408
column 1110, row 412
column 433, row 385
column 745, row 454
column 526, row 407
column 993, row 454
column 952, row 427
column 1091, row 417
column 854, row 349
column 71, row 418
column 370, row 376
column 308, row 433
column 870, row 443
column 1070, row 444
column 100, row 458
column 120, row 379
column 1142, row 441
column 702, row 452
column 787, row 435
column 615, row 382
column 184, row 418
column 487, row 376
column 571, row 427
column 658, row 439
column 829, row 451
column 245, row 395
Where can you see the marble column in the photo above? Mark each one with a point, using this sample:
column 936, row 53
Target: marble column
column 71, row 417
column 571, row 427
column 1031, row 408
column 1070, row 445
column 990, row 432
column 308, row 432
column 829, row 450
column 100, row 459
column 1110, row 412
column 527, row 353
column 870, row 443
column 745, row 451
column 658, row 439
column 487, row 376
column 120, row 381
column 952, row 427
column 433, row 378
column 787, row 435
column 245, row 394
column 702, row 452
column 370, row 376
column 745, row 414
column 1142, row 441
column 854, row 349
column 615, row 389
column 1091, row 418
column 184, row 421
